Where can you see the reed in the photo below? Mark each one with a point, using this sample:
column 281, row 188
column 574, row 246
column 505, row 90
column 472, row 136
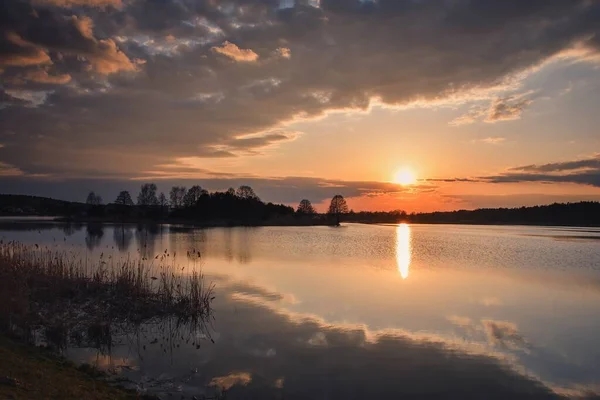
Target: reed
column 43, row 286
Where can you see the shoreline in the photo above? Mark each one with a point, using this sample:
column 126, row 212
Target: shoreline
column 30, row 372
column 220, row 224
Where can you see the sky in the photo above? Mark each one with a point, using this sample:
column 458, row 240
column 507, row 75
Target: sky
column 395, row 104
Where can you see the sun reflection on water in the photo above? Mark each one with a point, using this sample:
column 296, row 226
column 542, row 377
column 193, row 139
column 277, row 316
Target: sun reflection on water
column 403, row 249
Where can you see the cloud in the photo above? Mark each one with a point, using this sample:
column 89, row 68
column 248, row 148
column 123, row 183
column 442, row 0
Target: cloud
column 232, row 51
column 21, row 53
column 228, row 381
column 29, row 36
column 9, row 170
column 583, row 171
column 284, row 52
column 592, row 163
column 517, row 200
column 115, row 101
column 462, row 322
column 493, row 140
column 503, row 334
column 79, row 3
column 42, row 76
column 255, row 143
column 507, row 109
column 468, row 118
column 29, row 97
column 499, row 109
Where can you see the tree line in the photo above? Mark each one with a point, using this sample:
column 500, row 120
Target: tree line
column 233, row 206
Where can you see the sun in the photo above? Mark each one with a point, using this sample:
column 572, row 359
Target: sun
column 405, row 177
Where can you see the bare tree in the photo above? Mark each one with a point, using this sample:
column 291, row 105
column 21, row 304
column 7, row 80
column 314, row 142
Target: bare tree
column 192, row 196
column 305, row 207
column 176, row 195
column 93, row 199
column 230, row 191
column 246, row 192
column 147, row 195
column 124, row 198
column 338, row 207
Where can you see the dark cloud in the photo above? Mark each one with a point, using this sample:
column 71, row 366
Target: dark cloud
column 517, row 200
column 153, row 81
column 79, row 3
column 584, row 171
column 591, row 178
column 31, row 35
column 586, row 163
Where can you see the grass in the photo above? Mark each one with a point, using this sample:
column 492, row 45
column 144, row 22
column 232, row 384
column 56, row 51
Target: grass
column 54, row 290
column 54, row 297
column 27, row 372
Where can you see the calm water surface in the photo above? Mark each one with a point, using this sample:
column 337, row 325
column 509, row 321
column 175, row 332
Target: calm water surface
column 365, row 311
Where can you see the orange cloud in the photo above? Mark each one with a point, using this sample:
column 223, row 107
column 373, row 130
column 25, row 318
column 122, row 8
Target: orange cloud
column 228, row 381
column 28, row 54
column 105, row 58
column 284, row 52
column 42, row 76
column 234, row 52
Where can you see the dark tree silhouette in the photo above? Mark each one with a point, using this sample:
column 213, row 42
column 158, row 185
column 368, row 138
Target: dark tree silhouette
column 147, row 195
column 191, row 197
column 93, row 199
column 305, row 207
column 162, row 200
column 124, row 199
column 337, row 207
column 246, row 192
column 230, row 192
column 176, row 196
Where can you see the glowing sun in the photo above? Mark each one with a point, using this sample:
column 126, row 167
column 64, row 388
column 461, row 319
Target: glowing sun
column 405, row 177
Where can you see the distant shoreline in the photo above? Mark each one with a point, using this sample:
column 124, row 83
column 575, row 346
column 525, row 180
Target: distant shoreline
column 233, row 211
column 187, row 223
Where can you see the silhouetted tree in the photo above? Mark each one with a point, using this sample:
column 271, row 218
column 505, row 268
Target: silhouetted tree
column 337, row 207
column 230, row 192
column 124, row 199
column 162, row 200
column 305, row 207
column 147, row 195
column 93, row 199
column 176, row 195
column 191, row 197
column 246, row 192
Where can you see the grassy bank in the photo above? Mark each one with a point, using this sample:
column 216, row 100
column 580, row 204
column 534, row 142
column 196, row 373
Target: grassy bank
column 27, row 372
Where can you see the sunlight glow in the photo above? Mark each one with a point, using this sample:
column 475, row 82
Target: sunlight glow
column 405, row 177
column 403, row 249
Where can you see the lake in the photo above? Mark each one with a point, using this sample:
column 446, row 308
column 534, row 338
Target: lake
column 362, row 311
